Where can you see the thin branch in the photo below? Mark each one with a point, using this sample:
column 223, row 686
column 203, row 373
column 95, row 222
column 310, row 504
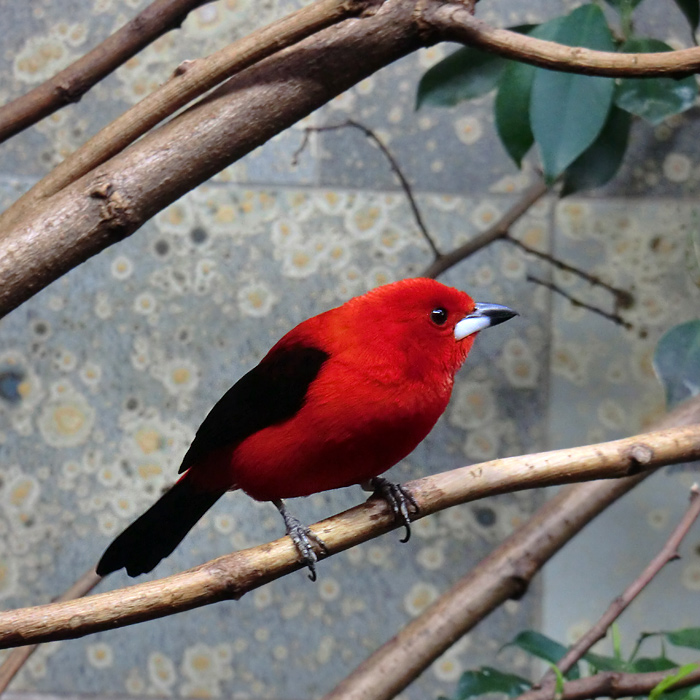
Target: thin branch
column 615, row 318
column 18, row 657
column 499, row 230
column 611, row 684
column 396, row 169
column 623, row 298
column 668, row 553
column 505, row 573
column 74, row 81
column 189, row 81
column 233, row 575
column 454, row 22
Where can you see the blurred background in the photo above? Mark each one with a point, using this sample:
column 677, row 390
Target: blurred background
column 106, row 374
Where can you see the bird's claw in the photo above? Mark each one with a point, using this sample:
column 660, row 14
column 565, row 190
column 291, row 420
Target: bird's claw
column 304, row 540
column 399, row 499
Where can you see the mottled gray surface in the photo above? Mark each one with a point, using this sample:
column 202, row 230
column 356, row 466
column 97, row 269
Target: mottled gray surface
column 105, row 375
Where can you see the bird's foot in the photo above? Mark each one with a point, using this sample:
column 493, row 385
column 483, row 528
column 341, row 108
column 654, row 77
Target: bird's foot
column 303, row 538
column 399, row 499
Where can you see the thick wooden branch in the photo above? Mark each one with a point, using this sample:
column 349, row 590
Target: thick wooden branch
column 503, row 574
column 231, row 576
column 114, row 200
column 189, row 81
column 455, row 22
column 74, row 81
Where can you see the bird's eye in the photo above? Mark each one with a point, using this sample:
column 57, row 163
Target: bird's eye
column 438, row 316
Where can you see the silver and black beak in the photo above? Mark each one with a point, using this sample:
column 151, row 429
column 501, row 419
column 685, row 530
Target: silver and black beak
column 483, row 316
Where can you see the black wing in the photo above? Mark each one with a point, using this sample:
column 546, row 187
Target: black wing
column 269, row 394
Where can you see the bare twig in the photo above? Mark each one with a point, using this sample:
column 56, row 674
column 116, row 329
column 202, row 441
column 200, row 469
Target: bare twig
column 498, row 230
column 623, row 298
column 455, row 22
column 189, row 81
column 14, row 662
column 668, row 553
column 396, row 169
column 231, row 576
column 611, row 684
column 615, row 318
column 74, row 81
column 505, row 573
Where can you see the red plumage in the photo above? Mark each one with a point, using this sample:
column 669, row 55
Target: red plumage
column 337, row 401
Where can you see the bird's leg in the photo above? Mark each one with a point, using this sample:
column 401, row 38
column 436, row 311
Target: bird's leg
column 401, row 501
column 302, row 537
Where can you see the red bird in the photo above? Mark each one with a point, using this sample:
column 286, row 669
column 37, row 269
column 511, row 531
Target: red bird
column 337, row 401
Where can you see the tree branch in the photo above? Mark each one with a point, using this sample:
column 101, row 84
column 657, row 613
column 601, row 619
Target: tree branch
column 499, row 230
column 114, row 200
column 455, row 22
column 504, row 574
column 611, row 684
column 614, row 317
column 668, row 553
column 396, row 169
column 14, row 662
column 189, row 81
column 74, row 81
column 233, row 575
column 623, row 298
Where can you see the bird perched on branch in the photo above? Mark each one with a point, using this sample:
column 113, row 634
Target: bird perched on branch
column 338, row 400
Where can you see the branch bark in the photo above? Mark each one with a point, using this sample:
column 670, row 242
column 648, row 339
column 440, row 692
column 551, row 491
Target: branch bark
column 494, row 233
column 668, row 553
column 189, row 81
column 14, row 662
column 611, row 684
column 233, row 575
column 454, row 22
column 504, row 574
column 114, row 200
column 74, row 81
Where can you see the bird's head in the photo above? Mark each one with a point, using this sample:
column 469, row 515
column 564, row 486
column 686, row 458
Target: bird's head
column 427, row 321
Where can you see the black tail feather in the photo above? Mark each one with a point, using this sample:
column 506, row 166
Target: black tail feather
column 158, row 531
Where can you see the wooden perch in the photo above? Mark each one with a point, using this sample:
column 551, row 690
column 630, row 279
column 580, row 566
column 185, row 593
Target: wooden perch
column 504, row 573
column 233, row 575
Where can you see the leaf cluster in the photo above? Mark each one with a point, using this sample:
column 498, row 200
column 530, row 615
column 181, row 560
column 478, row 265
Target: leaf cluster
column 580, row 124
column 488, row 681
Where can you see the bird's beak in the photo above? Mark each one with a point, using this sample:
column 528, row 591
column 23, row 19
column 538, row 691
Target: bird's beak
column 483, row 316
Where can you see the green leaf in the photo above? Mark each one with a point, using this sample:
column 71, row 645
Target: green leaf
column 600, row 162
column 690, row 693
column 463, row 75
column 677, row 364
column 688, row 637
column 568, row 111
column 542, row 647
column 654, row 99
column 667, row 682
column 559, row 685
column 650, row 664
column 691, row 10
column 490, row 680
column 618, row 4
column 605, row 663
column 512, row 106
